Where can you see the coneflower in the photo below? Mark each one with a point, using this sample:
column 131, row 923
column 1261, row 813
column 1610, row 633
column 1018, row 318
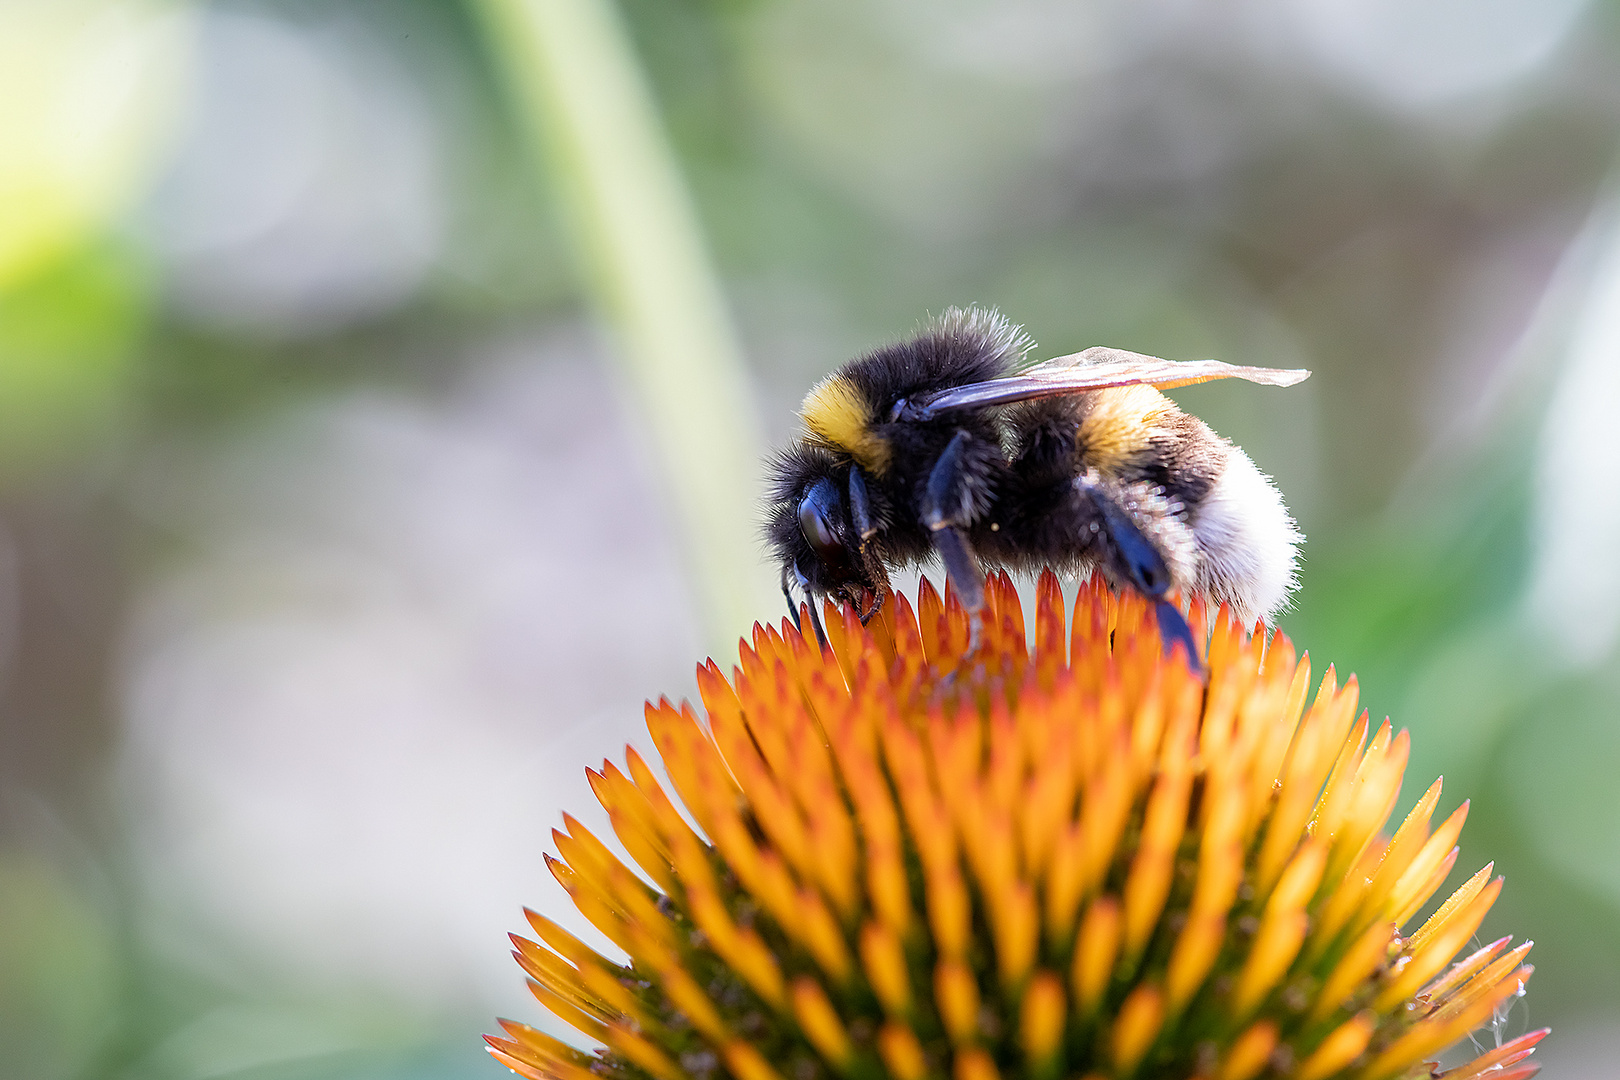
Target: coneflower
column 1081, row 860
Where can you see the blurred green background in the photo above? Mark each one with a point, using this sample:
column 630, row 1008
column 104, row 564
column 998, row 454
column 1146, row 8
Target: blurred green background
column 382, row 384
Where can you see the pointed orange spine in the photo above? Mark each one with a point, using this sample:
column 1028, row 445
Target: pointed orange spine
column 1503, row 1056
column 1483, row 983
column 559, row 978
column 1334, row 802
column 1372, row 798
column 1443, row 914
column 885, row 964
column 1427, row 960
column 1041, row 1016
column 1220, row 870
column 1249, row 1052
column 1408, row 841
column 1148, row 882
column 830, row 781
column 1095, row 951
column 1463, row 970
column 1432, row 1035
column 746, row 1063
column 567, row 1011
column 642, row 1053
column 1409, row 887
column 820, row 1021
column 901, row 1052
column 546, row 1046
column 975, row 1064
column 1282, row 928
column 1420, row 896
column 956, row 994
column 1320, row 736
column 1137, row 1026
column 1339, row 1049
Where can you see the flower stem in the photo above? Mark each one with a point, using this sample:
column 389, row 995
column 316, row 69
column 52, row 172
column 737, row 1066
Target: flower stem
column 583, row 102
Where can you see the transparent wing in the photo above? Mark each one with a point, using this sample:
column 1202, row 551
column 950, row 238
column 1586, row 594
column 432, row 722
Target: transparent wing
column 1097, row 369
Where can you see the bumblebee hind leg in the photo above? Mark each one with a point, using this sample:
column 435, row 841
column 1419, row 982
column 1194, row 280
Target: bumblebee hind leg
column 1173, row 631
column 1133, row 559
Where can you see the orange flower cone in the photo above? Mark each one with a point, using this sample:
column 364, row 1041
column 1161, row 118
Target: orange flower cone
column 1079, row 860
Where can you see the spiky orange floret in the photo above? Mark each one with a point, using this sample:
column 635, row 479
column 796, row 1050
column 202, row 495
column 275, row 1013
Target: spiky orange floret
column 1080, row 860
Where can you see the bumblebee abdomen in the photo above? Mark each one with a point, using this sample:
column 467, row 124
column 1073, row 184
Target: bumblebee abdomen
column 1248, row 545
column 1117, row 427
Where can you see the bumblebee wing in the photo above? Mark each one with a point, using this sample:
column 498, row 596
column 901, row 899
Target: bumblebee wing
column 1097, row 369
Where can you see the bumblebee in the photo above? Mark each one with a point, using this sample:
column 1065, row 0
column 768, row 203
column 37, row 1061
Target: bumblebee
column 951, row 443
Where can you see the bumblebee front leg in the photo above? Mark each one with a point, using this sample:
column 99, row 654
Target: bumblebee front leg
column 866, row 528
column 809, row 602
column 793, row 608
column 955, row 487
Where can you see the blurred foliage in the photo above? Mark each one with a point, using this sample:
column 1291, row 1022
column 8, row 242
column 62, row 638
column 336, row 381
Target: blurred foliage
column 59, row 972
column 68, row 337
column 88, row 96
column 578, row 87
column 1178, row 179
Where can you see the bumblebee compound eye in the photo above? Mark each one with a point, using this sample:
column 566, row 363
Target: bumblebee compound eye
column 819, row 514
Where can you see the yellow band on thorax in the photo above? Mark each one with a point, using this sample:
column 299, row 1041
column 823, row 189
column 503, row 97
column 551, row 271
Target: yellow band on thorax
column 838, row 414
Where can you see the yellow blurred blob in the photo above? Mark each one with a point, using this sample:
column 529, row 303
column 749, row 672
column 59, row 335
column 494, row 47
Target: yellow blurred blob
column 89, row 93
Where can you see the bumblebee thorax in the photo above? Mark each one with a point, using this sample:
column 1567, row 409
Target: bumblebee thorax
column 837, row 413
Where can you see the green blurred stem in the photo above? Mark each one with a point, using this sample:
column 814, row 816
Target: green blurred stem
column 586, row 106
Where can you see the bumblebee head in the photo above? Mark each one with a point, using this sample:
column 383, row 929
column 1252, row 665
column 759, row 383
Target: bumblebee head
column 811, row 528
column 827, row 528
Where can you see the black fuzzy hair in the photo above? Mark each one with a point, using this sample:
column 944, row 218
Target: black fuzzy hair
column 792, row 470
column 959, row 347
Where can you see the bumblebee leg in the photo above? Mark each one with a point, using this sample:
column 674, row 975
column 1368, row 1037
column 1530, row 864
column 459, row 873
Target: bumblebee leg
column 1173, row 631
column 956, row 484
column 962, row 567
column 860, row 511
column 1133, row 558
column 815, row 620
column 793, row 609
column 860, row 506
column 810, row 602
column 947, row 510
column 857, row 597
